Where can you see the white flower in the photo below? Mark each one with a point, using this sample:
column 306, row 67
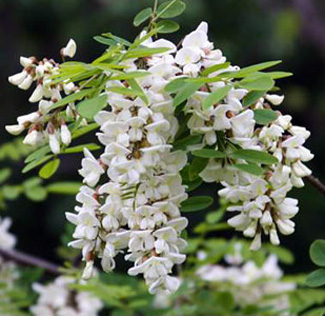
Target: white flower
column 18, row 79
column 91, row 169
column 275, row 99
column 54, row 143
column 70, row 49
column 37, row 94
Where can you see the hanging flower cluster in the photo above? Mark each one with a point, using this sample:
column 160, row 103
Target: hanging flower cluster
column 261, row 200
column 56, row 299
column 43, row 126
column 136, row 206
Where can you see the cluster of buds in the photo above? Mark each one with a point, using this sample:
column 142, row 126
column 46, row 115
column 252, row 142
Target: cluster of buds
column 44, row 125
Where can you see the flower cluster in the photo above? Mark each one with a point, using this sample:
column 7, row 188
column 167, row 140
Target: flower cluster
column 8, row 273
column 133, row 192
column 56, row 299
column 252, row 285
column 43, row 125
column 261, row 201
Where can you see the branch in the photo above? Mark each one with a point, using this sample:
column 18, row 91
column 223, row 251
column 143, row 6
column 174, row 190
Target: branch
column 25, row 259
column 316, row 183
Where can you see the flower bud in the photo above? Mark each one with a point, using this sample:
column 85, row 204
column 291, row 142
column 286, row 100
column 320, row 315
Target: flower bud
column 70, row 49
column 88, row 271
column 14, row 129
column 65, row 135
column 44, row 106
column 54, row 144
column 275, row 99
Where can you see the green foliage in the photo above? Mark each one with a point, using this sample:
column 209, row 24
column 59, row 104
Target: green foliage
column 216, row 96
column 317, row 252
column 254, row 156
column 251, row 168
column 196, row 203
column 265, row 117
column 49, row 169
column 89, row 108
column 142, row 16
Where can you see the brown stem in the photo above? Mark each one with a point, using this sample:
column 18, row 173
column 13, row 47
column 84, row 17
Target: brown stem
column 26, row 259
column 316, row 183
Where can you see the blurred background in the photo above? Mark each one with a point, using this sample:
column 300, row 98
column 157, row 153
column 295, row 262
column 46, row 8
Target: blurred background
column 247, row 31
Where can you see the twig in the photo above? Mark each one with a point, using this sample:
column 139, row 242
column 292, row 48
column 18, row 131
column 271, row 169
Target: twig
column 26, row 259
column 316, row 183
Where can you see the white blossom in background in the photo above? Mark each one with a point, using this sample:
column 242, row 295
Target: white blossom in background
column 250, row 284
column 57, row 299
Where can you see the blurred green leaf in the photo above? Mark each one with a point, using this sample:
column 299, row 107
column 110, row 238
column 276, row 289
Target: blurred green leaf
column 196, row 203
column 170, row 9
column 316, row 278
column 264, row 116
column 317, row 252
column 49, row 169
column 167, row 26
column 142, row 16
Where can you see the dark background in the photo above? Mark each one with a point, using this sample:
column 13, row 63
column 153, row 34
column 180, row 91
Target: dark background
column 248, row 31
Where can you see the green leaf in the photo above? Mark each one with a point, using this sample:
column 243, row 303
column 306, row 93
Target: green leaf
column 142, row 16
column 170, row 9
column 104, row 40
column 215, row 68
column 145, row 52
column 167, row 26
column 84, row 130
column 216, row 96
column 36, row 194
column 72, row 98
column 196, row 203
column 64, row 188
column 89, row 108
column 317, row 252
column 196, row 167
column 214, row 217
column 257, row 83
column 36, row 163
column 11, row 192
column 316, row 278
column 4, row 175
column 186, row 91
column 252, row 97
column 279, row 74
column 175, row 85
column 38, row 154
column 250, row 168
column 130, row 75
column 49, row 169
column 183, row 143
column 80, row 148
column 254, row 156
column 117, row 39
column 246, row 71
column 135, row 86
column 208, row 153
column 264, row 116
